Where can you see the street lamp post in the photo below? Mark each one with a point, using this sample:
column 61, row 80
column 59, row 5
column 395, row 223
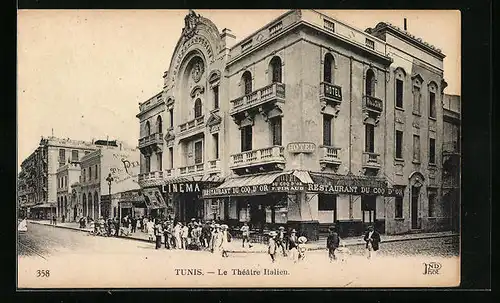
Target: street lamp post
column 109, row 179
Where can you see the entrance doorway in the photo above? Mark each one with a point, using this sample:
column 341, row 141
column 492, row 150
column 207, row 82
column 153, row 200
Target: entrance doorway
column 368, row 207
column 257, row 214
column 415, row 193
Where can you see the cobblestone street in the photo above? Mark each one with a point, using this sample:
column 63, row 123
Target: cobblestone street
column 76, row 259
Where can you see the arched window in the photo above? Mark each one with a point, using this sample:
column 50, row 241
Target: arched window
column 247, row 82
column 275, row 66
column 159, row 125
column 328, row 69
column 370, row 83
column 147, row 129
column 197, row 108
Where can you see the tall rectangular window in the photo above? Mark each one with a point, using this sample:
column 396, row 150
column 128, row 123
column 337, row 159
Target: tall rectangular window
column 416, row 100
column 74, row 155
column 216, row 97
column 399, row 144
column 84, row 175
column 90, row 173
column 399, row 93
column 327, row 130
column 62, row 156
column 276, row 130
column 246, row 138
column 96, row 172
column 432, row 202
column 198, row 152
column 398, row 207
column 369, row 138
column 159, row 157
column 432, row 105
column 171, row 116
column 416, row 148
column 216, row 146
column 432, row 151
column 171, row 157
column 148, row 163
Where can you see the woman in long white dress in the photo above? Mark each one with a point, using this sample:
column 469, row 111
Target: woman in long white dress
column 217, row 241
column 23, row 226
column 151, row 230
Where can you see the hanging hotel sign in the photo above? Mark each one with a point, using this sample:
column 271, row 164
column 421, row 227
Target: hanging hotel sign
column 301, row 147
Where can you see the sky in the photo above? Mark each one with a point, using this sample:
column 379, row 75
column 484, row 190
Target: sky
column 82, row 73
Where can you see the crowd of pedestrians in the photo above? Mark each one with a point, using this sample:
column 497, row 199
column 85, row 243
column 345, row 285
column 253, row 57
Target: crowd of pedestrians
column 214, row 237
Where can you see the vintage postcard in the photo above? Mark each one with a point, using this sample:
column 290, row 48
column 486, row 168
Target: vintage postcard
column 238, row 148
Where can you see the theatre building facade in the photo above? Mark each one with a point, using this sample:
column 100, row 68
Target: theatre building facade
column 306, row 123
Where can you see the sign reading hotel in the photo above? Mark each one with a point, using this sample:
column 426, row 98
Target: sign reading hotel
column 301, row 147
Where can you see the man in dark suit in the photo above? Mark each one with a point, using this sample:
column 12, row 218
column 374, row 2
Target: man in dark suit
column 332, row 243
column 372, row 239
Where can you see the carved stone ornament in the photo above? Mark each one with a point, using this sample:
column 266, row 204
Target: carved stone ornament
column 197, row 71
column 190, row 22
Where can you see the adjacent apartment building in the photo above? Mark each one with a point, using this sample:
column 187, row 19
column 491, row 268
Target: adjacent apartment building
column 307, row 123
column 38, row 183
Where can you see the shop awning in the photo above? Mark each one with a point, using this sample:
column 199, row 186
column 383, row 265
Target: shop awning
column 261, row 184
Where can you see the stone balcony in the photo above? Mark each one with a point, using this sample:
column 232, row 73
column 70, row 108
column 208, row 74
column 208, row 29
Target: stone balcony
column 191, row 127
column 271, row 94
column 373, row 104
column 371, row 161
column 214, row 166
column 192, row 169
column 151, row 143
column 256, row 157
column 329, row 156
column 153, row 175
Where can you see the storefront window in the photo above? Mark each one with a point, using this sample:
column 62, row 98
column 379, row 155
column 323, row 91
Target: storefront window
column 368, row 205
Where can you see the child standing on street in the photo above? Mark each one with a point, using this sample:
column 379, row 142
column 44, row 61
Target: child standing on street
column 272, row 246
column 302, row 248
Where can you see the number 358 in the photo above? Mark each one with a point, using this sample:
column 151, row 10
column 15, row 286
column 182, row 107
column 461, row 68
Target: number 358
column 43, row 273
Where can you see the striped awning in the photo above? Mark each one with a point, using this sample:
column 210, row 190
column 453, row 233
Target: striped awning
column 259, row 184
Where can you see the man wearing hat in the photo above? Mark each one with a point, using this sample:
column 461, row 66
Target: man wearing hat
column 292, row 245
column 245, row 233
column 226, row 238
column 372, row 239
column 280, row 240
column 272, row 247
column 332, row 243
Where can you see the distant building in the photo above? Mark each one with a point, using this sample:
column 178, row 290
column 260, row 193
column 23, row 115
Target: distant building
column 119, row 162
column 307, row 122
column 38, row 185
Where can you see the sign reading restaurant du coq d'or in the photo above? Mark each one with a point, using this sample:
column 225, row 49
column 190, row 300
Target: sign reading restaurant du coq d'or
column 282, row 183
column 350, row 184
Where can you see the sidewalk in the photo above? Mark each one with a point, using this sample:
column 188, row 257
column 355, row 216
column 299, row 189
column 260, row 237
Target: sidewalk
column 235, row 245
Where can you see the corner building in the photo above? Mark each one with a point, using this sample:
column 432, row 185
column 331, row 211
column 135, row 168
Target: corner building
column 307, row 122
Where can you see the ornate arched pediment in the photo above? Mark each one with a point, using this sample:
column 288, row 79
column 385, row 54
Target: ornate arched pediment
column 198, row 89
column 416, row 178
column 200, row 34
column 213, row 119
column 417, row 77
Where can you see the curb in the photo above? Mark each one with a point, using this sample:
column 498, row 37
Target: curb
column 421, row 237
